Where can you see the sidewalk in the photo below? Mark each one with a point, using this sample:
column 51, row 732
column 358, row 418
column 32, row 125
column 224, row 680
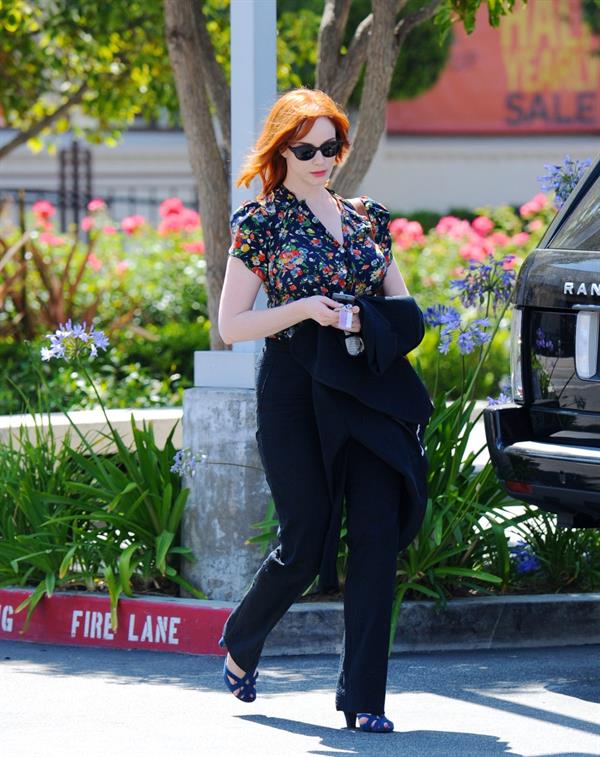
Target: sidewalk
column 60, row 702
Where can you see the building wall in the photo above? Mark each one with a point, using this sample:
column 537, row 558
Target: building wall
column 408, row 173
column 437, row 173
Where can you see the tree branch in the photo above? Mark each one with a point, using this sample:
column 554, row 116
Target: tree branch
column 214, row 78
column 408, row 23
column 23, row 136
column 331, row 33
column 381, row 59
column 350, row 65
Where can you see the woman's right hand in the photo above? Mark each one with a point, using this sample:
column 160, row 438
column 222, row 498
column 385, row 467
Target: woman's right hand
column 324, row 310
column 320, row 308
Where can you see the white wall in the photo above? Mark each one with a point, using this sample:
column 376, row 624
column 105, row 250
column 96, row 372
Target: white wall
column 437, row 173
column 408, row 173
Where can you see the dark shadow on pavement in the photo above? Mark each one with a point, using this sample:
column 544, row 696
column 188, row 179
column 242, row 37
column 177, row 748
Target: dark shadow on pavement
column 587, row 690
column 407, row 743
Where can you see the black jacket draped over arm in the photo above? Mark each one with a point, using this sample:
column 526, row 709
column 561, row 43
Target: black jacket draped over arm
column 375, row 397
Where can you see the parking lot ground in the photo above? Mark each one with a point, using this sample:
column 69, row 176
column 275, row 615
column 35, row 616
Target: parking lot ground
column 97, row 702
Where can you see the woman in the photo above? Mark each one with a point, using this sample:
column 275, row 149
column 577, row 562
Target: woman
column 304, row 243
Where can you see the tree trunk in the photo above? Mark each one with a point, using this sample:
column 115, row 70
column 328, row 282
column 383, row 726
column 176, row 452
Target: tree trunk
column 381, row 60
column 377, row 42
column 338, row 74
column 183, row 42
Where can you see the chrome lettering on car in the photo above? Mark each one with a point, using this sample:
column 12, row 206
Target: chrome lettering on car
column 582, row 288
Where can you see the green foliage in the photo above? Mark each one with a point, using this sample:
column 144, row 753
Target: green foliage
column 465, row 11
column 297, row 33
column 491, row 376
column 422, row 59
column 569, row 557
column 591, row 14
column 145, row 289
column 138, row 372
column 71, row 516
column 116, row 51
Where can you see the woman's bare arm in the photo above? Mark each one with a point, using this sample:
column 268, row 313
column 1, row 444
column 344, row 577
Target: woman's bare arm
column 393, row 284
column 238, row 322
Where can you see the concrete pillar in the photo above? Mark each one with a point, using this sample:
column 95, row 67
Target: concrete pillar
column 228, row 491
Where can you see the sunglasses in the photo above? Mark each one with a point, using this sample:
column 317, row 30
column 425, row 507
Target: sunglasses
column 328, row 149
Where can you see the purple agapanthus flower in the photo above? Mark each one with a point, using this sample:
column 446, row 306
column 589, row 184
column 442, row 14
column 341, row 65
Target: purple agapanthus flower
column 73, row 341
column 185, row 462
column 541, row 342
column 448, row 319
column 525, row 560
column 504, row 396
column 442, row 315
column 473, row 336
column 486, row 279
column 562, row 180
column 501, row 399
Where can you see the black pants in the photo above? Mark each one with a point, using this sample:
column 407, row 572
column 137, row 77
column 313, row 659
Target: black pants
column 289, row 446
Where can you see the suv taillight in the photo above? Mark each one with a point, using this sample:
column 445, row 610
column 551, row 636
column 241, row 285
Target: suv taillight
column 516, row 367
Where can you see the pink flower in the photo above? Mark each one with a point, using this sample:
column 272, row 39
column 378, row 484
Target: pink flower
column 456, row 229
column 535, row 225
column 186, row 220
column 50, row 239
column 108, row 230
column 170, row 224
column 527, row 210
column 197, row 247
column 397, row 226
column 170, row 206
column 473, row 251
column 190, row 220
column 87, row 223
column 482, row 225
column 499, row 238
column 521, row 238
column 414, row 229
column 446, row 223
column 131, row 224
column 509, row 262
column 95, row 205
column 43, row 210
column 535, row 205
column 411, row 235
column 122, row 266
column 94, row 262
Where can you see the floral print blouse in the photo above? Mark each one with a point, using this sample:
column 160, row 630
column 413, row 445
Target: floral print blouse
column 294, row 255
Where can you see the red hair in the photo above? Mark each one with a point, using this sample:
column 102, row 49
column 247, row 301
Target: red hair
column 291, row 118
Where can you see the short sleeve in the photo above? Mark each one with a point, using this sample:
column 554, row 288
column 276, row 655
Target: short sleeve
column 249, row 238
column 379, row 216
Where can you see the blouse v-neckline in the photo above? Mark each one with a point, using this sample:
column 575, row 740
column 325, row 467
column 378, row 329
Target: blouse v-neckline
column 340, row 207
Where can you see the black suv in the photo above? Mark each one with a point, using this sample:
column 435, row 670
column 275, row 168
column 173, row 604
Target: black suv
column 545, row 447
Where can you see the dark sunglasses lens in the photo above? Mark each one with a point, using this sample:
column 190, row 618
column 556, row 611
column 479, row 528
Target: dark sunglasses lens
column 329, row 149
column 304, row 152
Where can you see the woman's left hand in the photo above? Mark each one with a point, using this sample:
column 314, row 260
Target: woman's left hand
column 355, row 327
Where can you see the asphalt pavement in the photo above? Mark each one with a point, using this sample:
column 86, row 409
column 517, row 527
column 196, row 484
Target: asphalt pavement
column 80, row 701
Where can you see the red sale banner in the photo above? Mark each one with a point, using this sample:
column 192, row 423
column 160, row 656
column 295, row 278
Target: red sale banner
column 539, row 72
column 181, row 625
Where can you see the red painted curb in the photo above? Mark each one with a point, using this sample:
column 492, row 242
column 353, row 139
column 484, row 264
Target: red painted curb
column 79, row 619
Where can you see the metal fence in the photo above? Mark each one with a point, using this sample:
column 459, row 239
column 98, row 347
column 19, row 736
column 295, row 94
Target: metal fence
column 71, row 206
